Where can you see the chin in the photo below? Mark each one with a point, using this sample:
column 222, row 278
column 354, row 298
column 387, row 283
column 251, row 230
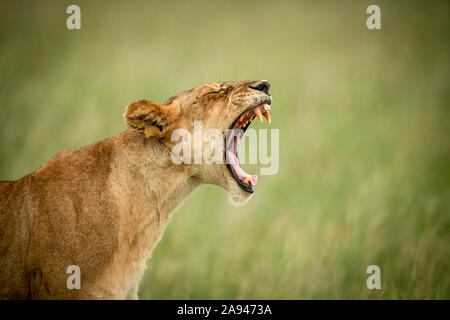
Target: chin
column 236, row 194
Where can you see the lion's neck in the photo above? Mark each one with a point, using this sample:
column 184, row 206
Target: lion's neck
column 148, row 183
column 146, row 187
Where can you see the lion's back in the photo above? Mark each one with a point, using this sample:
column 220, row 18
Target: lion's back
column 5, row 187
column 12, row 238
column 7, row 216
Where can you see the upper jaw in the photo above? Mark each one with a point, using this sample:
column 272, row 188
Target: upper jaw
column 258, row 100
column 261, row 99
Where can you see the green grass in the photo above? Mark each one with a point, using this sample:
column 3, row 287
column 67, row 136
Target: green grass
column 364, row 134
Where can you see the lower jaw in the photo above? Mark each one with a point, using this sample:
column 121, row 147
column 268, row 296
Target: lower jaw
column 241, row 184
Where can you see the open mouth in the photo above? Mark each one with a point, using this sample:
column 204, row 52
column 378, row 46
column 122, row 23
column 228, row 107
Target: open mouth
column 234, row 136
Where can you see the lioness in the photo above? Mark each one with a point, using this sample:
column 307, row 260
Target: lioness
column 104, row 207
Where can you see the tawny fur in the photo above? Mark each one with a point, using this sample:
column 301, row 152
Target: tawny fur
column 104, row 207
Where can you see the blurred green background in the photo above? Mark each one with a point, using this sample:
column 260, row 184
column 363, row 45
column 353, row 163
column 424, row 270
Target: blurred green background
column 364, row 134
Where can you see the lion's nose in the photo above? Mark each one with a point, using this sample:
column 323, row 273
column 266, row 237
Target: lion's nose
column 263, row 86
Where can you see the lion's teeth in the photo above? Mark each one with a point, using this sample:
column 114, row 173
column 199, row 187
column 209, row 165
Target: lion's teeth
column 267, row 116
column 247, row 179
column 257, row 112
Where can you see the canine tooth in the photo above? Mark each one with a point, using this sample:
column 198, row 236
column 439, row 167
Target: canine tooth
column 247, row 179
column 257, row 112
column 267, row 116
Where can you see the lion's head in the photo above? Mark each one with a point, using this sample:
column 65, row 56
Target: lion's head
column 228, row 108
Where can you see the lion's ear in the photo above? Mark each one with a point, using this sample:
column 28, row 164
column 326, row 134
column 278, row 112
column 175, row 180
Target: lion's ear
column 151, row 118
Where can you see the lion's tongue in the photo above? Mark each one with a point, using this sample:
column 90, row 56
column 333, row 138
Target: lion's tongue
column 242, row 175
